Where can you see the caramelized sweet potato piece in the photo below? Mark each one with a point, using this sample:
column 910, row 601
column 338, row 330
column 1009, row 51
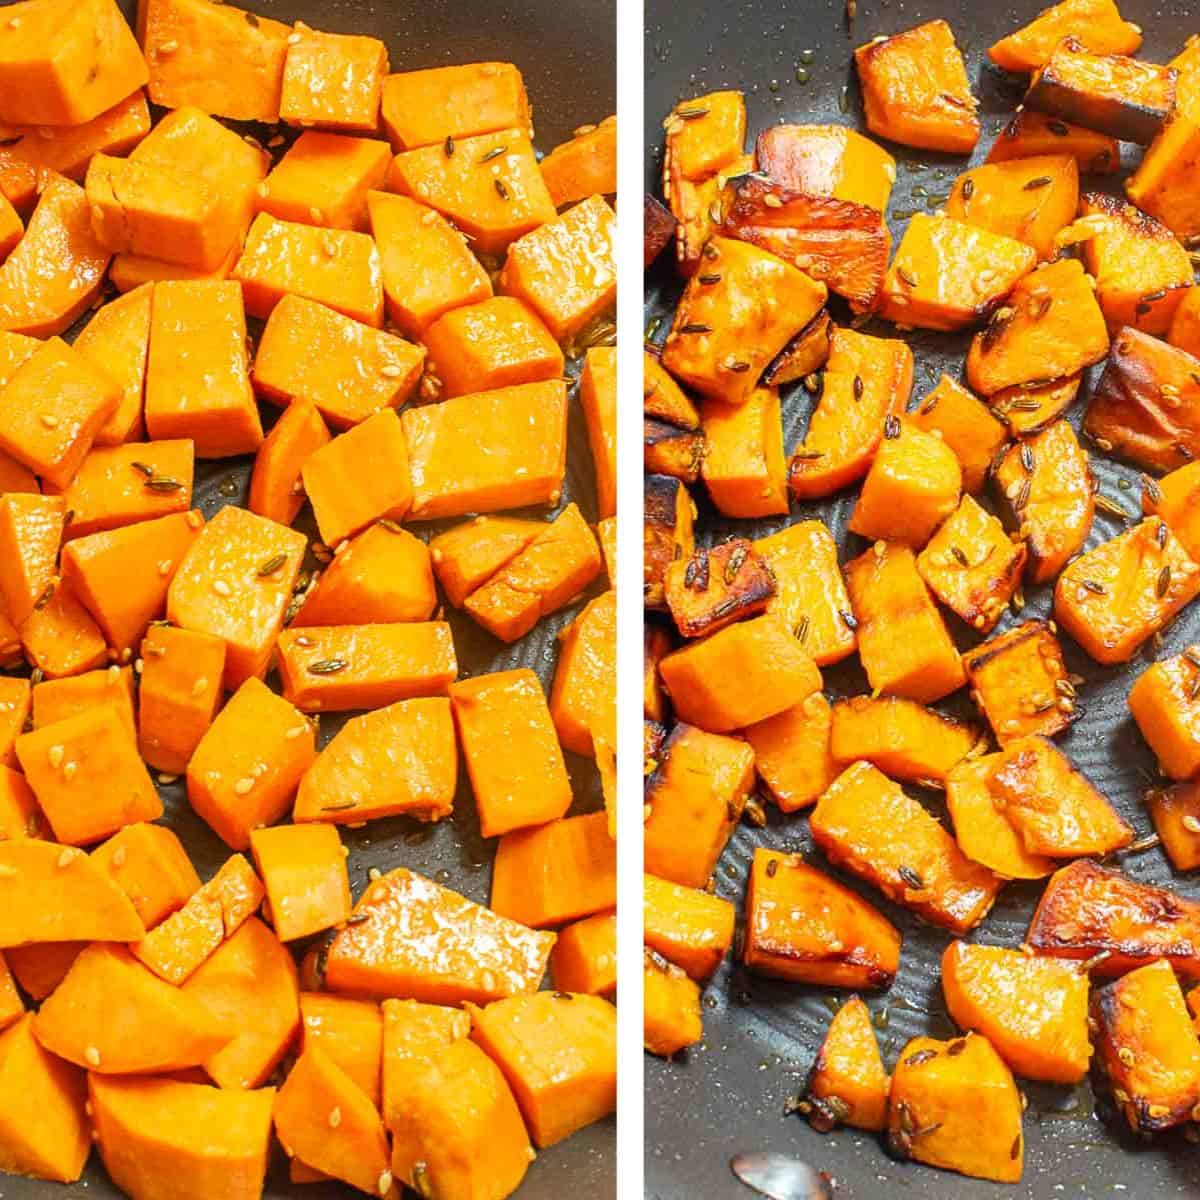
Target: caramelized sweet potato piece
column 667, row 534
column 713, row 588
column 1030, row 408
column 696, row 207
column 671, row 1015
column 583, row 698
column 669, row 450
column 1097, row 22
column 1176, row 499
column 1164, row 703
column 847, row 1084
column 965, row 424
column 704, row 134
column 956, row 1106
column 1031, row 133
column 792, row 753
column 688, row 926
column 659, row 228
column 915, row 89
column 1160, row 185
column 743, row 463
column 802, row 925
column 1185, row 324
column 827, row 160
column 805, row 354
column 1175, row 811
column 662, row 398
column 1121, row 96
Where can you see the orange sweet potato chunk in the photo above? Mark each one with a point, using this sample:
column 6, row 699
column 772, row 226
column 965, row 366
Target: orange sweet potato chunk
column 671, row 1020
column 583, row 699
column 1159, row 185
column 689, row 927
column 40, row 967
column 1175, row 811
column 792, row 753
column 827, row 160
column 303, row 870
column 584, row 165
column 1097, row 22
column 60, row 638
column 585, row 956
column 847, row 1084
column 966, row 425
column 1168, row 716
column 12, row 1007
column 333, row 80
column 20, row 816
column 743, row 463
column 1032, row 133
column 1176, row 499
column 276, row 489
column 56, row 699
column 149, row 864
column 31, row 529
column 351, row 1033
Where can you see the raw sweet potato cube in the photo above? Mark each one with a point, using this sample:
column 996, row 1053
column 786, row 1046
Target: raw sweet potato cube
column 743, row 463
column 31, row 530
column 351, row 1033
column 1031, row 133
column 245, row 770
column 915, row 89
column 333, row 668
column 1159, row 185
column 704, row 134
column 1175, row 811
column 20, row 816
column 489, row 186
column 197, row 377
column 511, row 749
column 965, row 424
column 867, row 825
column 421, row 108
column 496, row 343
column 468, row 555
column 149, row 864
column 276, row 488
column 324, row 178
column 221, row 59
column 1115, row 596
column 56, row 699
column 689, row 927
column 414, row 737
column 1176, row 499
column 867, row 380
column 16, row 478
column 585, row 956
column 524, row 428
column 1163, row 701
column 948, row 274
column 598, row 399
column 129, row 271
column 583, row 698
column 694, row 797
column 792, row 753
column 827, row 160
column 62, row 763
column 847, row 1084
column 303, row 869
column 667, row 534
column 60, row 638
column 117, row 339
column 802, row 925
column 333, row 80
column 51, row 409
column 555, row 872
column 584, row 165
column 63, row 63
column 713, row 588
column 1098, row 22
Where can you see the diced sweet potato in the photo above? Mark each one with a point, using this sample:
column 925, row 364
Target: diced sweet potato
column 802, row 925
column 1176, row 499
column 1185, row 324
column 351, row 1032
column 1159, row 185
column 847, row 1084
column 584, row 165
column 303, row 870
column 130, row 271
column 704, row 134
column 1097, row 22
column 276, row 487
column 688, row 926
column 56, row 699
column 669, row 450
column 40, row 967
column 31, row 530
column 806, row 353
column 60, row 638
column 713, row 588
column 585, row 956
column 584, row 696
column 598, row 399
column 1031, row 133
column 334, row 80
column 671, row 1015
column 696, row 205
column 149, row 864
column 827, row 160
column 659, row 227
column 1163, row 701
column 742, row 456
column 1175, row 811
column 667, row 534
column 965, row 424
column 20, row 816
column 117, row 339
column 792, row 753
column 468, row 555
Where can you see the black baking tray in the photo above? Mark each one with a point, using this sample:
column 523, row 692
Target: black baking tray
column 727, row 1095
column 566, row 50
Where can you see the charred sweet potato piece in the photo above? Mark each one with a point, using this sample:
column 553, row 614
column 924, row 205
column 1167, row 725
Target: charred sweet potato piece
column 867, row 825
column 1029, row 199
column 948, row 274
column 965, row 424
column 905, row 647
column 1175, row 811
column 1033, row 1010
column 1185, row 324
column 1046, row 481
column 1111, row 599
column 805, row 354
column 744, row 467
column 1112, row 93
column 667, row 534
column 1031, row 133
column 669, row 450
column 827, row 160
column 656, row 643
column 1161, row 184
column 672, row 1006
column 802, row 925
column 956, row 1106
column 663, row 399
column 1097, row 22
column 716, row 587
column 1165, row 703
column 847, row 1084
column 734, row 318
column 867, row 380
column 697, row 209
column 915, row 89
column 913, row 485
column 792, row 753
column 688, row 926
column 1087, row 911
column 1030, row 408
column 901, row 737
column 1146, row 406
column 810, row 593
column 1147, row 1046
column 1176, row 499
column 1050, row 327
column 659, row 228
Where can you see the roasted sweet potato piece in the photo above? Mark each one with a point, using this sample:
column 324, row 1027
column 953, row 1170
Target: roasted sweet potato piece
column 745, row 316
column 1160, row 185
column 1164, row 703
column 743, row 464
column 704, row 134
column 792, row 753
column 715, row 587
column 905, row 647
column 696, row 206
column 773, row 672
column 1088, row 911
column 1121, row 96
column 956, row 1106
column 900, row 737
column 1146, row 406
column 1030, row 408
column 669, row 450
column 1097, row 23
column 867, row 825
column 671, row 1017
column 1187, row 65
column 802, row 925
column 1147, row 1046
column 827, row 160
column 667, row 534
column 14, row 712
column 1185, row 324
column 1176, row 499
column 1114, row 597
column 842, row 244
column 583, row 698
column 31, row 531
column 584, row 165
column 948, row 274
column 1031, row 133
column 867, row 380
column 1175, row 811
column 659, row 228
column 663, row 399
column 805, row 354
column 1050, row 327
column 810, row 593
column 915, row 89
column 584, row 958
column 688, row 926
column 965, row 424
column 847, row 1084
column 694, row 796
column 913, row 485
column 61, row 638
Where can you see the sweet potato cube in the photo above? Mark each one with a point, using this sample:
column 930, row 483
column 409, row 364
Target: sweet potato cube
column 56, row 699
column 1159, row 185
column 865, row 823
column 1029, row 408
column 1054, row 809
column 695, row 796
column 303, row 871
column 948, row 274
column 866, row 381
column 129, row 271
column 773, row 673
column 1031, row 133
column 11, row 227
column 16, row 478
column 584, row 958
column 713, row 588
column 1098, row 22
column 43, row 1126
column 965, row 424
column 276, row 488
column 748, row 316
column 60, row 638
column 427, row 266
column 806, row 353
column 40, row 967
column 1175, row 811
column 1111, row 93
column 350, row 1032
column 696, row 208
column 914, row 484
column 231, row 64
column 669, row 450
column 743, row 462
column 915, row 89
column 584, row 697
column 584, row 165
column 792, row 753
column 956, row 1106
column 1163, row 701
column 416, row 740
column 671, row 1015
column 667, row 534
column 20, row 816
column 524, row 428
column 598, row 399
column 1113, row 598
column 689, row 927
column 12, row 1007
column 149, row 864
column 1176, row 499
column 1148, row 1048
column 248, row 764
column 179, row 694
column 663, row 398
column 827, row 160
column 847, row 1083
column 705, row 134
column 1185, row 324
column 31, row 530
column 333, row 80
column 63, row 762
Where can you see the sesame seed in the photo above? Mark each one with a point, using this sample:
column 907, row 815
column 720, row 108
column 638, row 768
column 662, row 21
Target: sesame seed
column 316, row 215
column 164, row 777
column 114, row 674
column 92, row 1055
column 68, row 856
column 385, row 1183
column 119, row 856
column 200, row 686
column 294, row 39
column 335, row 1118
column 295, row 732
column 374, row 873
column 390, row 370
column 69, row 770
column 55, row 755
column 222, row 588
column 164, row 567
column 194, row 519
column 168, row 47
column 243, row 785
column 49, row 420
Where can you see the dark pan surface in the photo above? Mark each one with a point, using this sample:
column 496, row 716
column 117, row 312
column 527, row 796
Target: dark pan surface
column 566, row 51
column 727, row 1095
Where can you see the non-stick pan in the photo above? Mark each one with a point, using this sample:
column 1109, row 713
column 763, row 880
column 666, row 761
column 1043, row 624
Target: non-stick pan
column 566, row 51
column 727, row 1095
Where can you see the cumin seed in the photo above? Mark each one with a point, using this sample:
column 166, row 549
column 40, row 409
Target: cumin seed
column 1040, row 181
column 501, row 189
column 271, row 565
column 1163, row 583
column 327, row 666
column 494, row 152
